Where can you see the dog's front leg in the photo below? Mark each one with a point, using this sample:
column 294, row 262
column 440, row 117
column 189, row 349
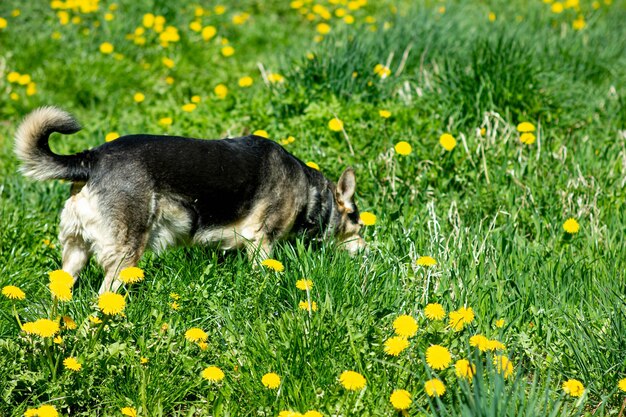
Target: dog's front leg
column 258, row 250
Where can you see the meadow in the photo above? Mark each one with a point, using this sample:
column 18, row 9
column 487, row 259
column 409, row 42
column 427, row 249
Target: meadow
column 489, row 144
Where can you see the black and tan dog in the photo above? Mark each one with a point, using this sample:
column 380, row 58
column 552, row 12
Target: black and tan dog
column 144, row 191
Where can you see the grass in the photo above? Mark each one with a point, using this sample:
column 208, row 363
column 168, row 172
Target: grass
column 490, row 211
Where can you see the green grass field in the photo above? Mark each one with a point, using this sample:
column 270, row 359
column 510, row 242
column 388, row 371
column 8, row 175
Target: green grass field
column 489, row 208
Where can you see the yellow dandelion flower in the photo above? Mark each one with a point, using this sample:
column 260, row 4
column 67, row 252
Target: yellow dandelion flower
column 503, row 365
column 31, row 89
column 313, row 165
column 271, row 380
column 3, row 23
column 527, row 138
column 426, row 261
column 261, row 133
column 24, row 79
column 12, row 292
column 168, row 62
column 304, row 305
column 573, row 387
column 213, row 374
column 228, row 51
column 464, row 369
column 579, row 23
column 106, row 48
column 166, row 121
column 467, row 314
column 434, row 387
column 111, row 136
column 143, row 360
column 13, row 76
column 175, row 296
column 61, row 277
column 148, row 20
column 72, row 364
column 622, row 384
column 571, row 226
column 94, row 320
column 203, row 345
column 368, row 219
column 312, row 413
column 273, row 264
column 189, row 107
column 400, row 399
column 395, row 345
column 352, row 381
column 493, row 345
column 41, row 327
column 275, row 78
column 195, row 26
column 246, row 81
column 500, row 323
column 221, row 91
column 335, row 125
column 479, row 341
column 60, row 291
column 208, row 33
column 111, row 303
column 196, row 334
column 447, row 141
column 287, row 140
column 139, row 97
column 196, row 99
column 385, row 114
column 131, row 275
column 382, row 71
column 525, row 127
column 129, row 411
column 434, row 311
column 438, row 357
column 557, row 7
column 304, row 284
column 323, row 28
column 58, row 340
column 47, row 411
column 492, row 17
column 403, row 148
column 405, row 326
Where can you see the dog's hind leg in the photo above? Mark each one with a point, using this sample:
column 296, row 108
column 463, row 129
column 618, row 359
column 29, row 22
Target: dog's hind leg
column 114, row 261
column 71, row 236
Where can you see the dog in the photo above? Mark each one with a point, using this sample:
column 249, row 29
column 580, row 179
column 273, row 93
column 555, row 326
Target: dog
column 143, row 192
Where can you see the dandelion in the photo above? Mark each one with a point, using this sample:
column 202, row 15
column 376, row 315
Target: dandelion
column 175, row 306
column 557, row 7
column 573, row 387
column 313, row 165
column 60, row 291
column 622, row 384
column 479, row 341
column 58, row 340
column 31, row 89
column 196, row 334
column 13, row 76
column 400, row 399
column 405, row 326
column 208, row 33
column 213, row 374
column 456, row 321
column 196, row 99
column 24, row 79
column 106, row 48
column 271, row 380
column 221, row 91
column 395, row 345
column 368, row 219
column 129, row 411
column 168, row 62
column 139, row 97
column 527, row 138
column 143, row 360
column 352, row 381
column 464, row 369
column 335, row 125
column 61, row 277
column 288, row 140
column 304, row 284
column 500, row 323
column 189, row 107
column 434, row 387
column 438, row 357
column 312, row 413
column 492, row 17
column 434, row 311
column 44, row 411
column 94, row 320
column 111, row 303
column 3, row 23
column 493, row 345
column 503, row 365
column 323, row 28
column 131, row 275
column 579, row 23
column 273, row 264
column 165, row 121
column 426, row 261
column 42, row 328
column 13, row 293
column 304, row 305
column 403, row 148
column 261, row 133
column 447, row 141
column 228, row 51
column 525, row 127
column 275, row 78
column 72, row 364
column 385, row 114
column 111, row 136
column 246, row 81
column 466, row 314
column 382, row 71
column 571, row 226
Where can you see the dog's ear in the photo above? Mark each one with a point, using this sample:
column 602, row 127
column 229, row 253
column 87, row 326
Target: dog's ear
column 346, row 186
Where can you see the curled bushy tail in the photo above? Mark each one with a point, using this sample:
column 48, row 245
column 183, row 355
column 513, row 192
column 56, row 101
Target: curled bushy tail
column 32, row 148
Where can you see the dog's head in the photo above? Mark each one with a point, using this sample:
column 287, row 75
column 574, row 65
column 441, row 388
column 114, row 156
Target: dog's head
column 348, row 222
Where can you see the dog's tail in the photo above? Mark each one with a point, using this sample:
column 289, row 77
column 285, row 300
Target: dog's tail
column 32, row 148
